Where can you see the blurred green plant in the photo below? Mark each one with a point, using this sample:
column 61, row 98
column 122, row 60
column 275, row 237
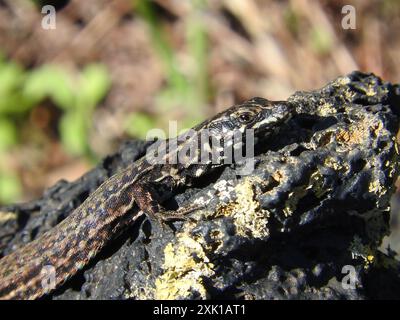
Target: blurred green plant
column 186, row 91
column 292, row 20
column 321, row 41
column 138, row 124
column 390, row 8
column 75, row 94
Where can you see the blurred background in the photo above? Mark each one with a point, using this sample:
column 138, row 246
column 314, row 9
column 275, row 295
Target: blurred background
column 113, row 69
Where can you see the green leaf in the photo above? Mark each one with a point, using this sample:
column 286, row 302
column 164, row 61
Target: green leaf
column 53, row 82
column 10, row 187
column 73, row 131
column 11, row 76
column 94, row 85
column 138, row 125
column 11, row 82
column 14, row 103
column 8, row 134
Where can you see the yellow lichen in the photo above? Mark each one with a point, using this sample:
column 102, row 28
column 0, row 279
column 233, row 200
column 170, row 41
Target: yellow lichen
column 185, row 265
column 392, row 170
column 249, row 219
column 377, row 128
column 377, row 188
column 359, row 133
column 343, row 81
column 334, row 164
column 370, row 258
column 370, row 91
column 365, row 252
column 349, row 94
column 277, row 176
column 326, row 109
column 5, row 216
column 350, row 137
column 315, row 184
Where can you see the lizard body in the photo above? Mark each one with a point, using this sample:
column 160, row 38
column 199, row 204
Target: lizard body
column 71, row 244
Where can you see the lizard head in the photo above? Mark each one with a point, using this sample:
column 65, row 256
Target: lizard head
column 262, row 117
column 258, row 114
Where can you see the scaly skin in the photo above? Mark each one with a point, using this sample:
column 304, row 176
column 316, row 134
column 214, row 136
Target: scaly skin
column 120, row 200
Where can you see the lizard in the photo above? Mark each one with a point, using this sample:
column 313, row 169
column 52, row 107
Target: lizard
column 143, row 185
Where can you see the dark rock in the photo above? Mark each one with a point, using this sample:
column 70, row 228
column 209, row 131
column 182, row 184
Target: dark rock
column 315, row 208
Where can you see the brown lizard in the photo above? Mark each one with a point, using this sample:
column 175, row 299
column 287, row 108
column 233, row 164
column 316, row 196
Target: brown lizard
column 70, row 245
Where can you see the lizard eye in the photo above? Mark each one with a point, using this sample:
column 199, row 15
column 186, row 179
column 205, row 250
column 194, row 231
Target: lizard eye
column 245, row 117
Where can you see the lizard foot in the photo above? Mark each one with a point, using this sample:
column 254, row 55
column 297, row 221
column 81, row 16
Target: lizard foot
column 180, row 214
column 162, row 217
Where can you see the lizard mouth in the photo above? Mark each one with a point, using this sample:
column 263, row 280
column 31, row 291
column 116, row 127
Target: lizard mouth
column 274, row 115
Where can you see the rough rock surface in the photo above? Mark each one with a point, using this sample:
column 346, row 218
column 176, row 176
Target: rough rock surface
column 317, row 201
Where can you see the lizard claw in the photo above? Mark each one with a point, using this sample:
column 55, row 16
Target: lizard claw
column 162, row 217
column 181, row 213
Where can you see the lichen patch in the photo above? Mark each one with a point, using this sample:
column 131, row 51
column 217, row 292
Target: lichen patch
column 249, row 218
column 5, row 216
column 327, row 109
column 359, row 133
column 377, row 188
column 185, row 266
column 351, row 136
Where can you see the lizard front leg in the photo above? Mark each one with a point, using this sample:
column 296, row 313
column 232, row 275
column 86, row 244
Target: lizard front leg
column 148, row 201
